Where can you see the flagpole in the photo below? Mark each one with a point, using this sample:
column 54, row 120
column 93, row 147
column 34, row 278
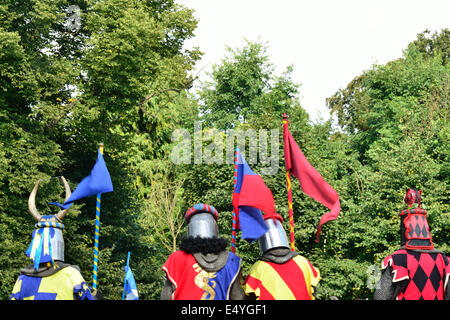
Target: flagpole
column 233, row 227
column 289, row 191
column 125, row 280
column 97, row 233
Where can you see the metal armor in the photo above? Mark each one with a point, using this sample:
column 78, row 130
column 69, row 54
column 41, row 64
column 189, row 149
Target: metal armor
column 202, row 225
column 275, row 237
column 47, row 244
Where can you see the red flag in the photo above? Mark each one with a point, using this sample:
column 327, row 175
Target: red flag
column 310, row 180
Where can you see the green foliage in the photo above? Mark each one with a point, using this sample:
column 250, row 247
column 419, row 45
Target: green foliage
column 243, row 86
column 122, row 78
column 395, row 121
column 119, row 79
column 396, row 117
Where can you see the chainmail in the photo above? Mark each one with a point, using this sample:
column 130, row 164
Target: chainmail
column 386, row 289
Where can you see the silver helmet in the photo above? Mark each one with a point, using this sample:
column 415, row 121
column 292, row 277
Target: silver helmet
column 203, row 225
column 275, row 237
column 201, row 220
column 48, row 242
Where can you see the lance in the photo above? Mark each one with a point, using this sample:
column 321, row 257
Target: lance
column 235, row 209
column 289, row 191
column 97, row 233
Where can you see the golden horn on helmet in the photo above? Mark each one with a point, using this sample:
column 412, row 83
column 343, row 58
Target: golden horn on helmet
column 32, row 201
column 61, row 214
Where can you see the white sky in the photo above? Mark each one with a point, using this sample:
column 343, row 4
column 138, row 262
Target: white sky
column 327, row 42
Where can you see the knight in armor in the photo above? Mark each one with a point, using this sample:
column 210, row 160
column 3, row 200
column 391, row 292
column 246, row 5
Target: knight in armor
column 280, row 273
column 203, row 269
column 49, row 277
column 416, row 271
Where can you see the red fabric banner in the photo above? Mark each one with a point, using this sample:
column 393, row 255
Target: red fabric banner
column 310, row 180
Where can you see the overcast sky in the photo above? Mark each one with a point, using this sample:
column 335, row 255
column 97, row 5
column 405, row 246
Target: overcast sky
column 328, row 42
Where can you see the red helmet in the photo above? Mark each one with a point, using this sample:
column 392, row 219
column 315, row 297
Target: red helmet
column 414, row 229
column 412, row 196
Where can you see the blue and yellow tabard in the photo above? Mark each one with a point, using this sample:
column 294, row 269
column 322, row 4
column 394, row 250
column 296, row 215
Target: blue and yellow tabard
column 65, row 284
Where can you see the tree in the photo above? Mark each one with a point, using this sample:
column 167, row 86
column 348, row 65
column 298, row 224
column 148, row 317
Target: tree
column 111, row 77
column 396, row 119
column 115, row 71
column 244, row 85
column 245, row 95
column 394, row 134
column 163, row 213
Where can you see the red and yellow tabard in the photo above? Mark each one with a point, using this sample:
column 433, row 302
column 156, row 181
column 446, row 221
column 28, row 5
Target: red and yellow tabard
column 293, row 280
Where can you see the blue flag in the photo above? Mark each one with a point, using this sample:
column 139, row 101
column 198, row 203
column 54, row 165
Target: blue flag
column 252, row 223
column 129, row 286
column 99, row 181
column 250, row 197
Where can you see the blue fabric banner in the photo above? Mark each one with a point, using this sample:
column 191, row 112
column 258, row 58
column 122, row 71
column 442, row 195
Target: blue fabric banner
column 99, row 181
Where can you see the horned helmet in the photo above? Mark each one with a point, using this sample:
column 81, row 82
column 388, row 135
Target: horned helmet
column 47, row 244
column 414, row 229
